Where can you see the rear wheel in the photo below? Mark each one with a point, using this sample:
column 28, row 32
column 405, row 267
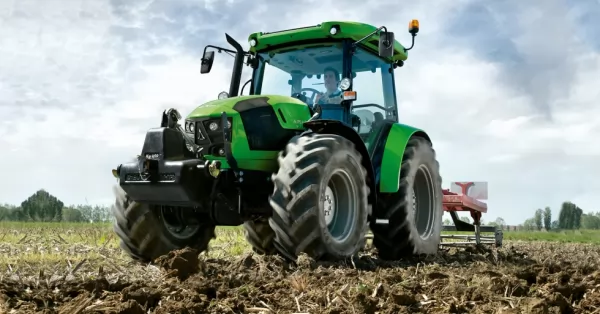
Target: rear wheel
column 319, row 200
column 147, row 231
column 415, row 211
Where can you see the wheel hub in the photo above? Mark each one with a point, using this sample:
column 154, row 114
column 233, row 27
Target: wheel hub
column 176, row 224
column 329, row 206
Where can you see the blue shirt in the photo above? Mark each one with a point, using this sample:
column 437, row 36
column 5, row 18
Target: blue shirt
column 333, row 98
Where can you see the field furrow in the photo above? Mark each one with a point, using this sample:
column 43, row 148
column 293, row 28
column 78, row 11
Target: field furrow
column 82, row 270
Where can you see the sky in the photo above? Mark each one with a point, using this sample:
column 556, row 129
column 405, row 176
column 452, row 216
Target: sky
column 507, row 90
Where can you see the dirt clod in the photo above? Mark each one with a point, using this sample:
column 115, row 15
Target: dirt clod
column 404, row 298
column 181, row 263
column 130, row 307
column 146, row 296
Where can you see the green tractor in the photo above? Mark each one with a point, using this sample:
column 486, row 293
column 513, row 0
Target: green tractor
column 302, row 169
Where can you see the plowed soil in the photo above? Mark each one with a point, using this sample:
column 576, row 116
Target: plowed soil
column 519, row 278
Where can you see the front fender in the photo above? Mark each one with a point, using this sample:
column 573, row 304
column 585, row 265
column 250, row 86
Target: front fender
column 395, row 145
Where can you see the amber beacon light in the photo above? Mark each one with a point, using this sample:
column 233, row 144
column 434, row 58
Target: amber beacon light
column 413, row 26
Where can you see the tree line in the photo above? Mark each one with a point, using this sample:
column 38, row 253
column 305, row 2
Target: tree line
column 570, row 217
column 44, row 207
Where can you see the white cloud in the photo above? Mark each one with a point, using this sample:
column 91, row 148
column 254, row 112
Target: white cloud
column 81, row 83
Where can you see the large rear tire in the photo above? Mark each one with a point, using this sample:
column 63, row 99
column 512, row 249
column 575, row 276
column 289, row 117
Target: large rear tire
column 415, row 211
column 319, row 201
column 147, row 234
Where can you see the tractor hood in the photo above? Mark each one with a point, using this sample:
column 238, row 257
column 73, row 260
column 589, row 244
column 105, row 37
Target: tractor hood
column 236, row 105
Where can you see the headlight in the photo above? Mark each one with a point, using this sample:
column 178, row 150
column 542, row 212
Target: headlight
column 213, row 126
column 223, row 95
column 228, row 124
column 189, row 126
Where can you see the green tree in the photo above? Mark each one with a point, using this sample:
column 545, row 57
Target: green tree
column 4, row 212
column 590, row 221
column 71, row 214
column 95, row 213
column 547, row 218
column 529, row 224
column 566, row 216
column 577, row 212
column 16, row 214
column 500, row 223
column 42, row 206
column 538, row 219
column 10, row 212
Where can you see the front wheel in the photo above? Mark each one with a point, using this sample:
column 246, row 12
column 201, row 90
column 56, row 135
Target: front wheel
column 148, row 232
column 320, row 204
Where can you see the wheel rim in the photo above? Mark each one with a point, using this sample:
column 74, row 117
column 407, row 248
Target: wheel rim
column 423, row 206
column 176, row 225
column 340, row 205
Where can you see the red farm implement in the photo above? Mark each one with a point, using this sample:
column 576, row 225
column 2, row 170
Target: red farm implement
column 454, row 203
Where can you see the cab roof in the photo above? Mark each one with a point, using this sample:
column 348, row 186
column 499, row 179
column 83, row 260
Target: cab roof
column 347, row 29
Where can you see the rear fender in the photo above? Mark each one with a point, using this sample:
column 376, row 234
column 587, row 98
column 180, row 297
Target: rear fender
column 338, row 128
column 395, row 145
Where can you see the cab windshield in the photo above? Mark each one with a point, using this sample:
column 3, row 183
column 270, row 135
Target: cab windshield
column 307, row 73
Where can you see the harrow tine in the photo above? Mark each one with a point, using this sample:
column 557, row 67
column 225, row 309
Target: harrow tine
column 456, row 240
column 456, row 244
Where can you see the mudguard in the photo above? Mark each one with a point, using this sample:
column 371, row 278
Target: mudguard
column 393, row 152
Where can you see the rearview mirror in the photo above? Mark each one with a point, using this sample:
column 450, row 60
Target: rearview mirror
column 386, row 44
column 207, row 61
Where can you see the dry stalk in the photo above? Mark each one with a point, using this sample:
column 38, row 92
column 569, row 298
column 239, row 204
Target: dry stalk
column 299, row 283
column 78, row 266
column 297, row 304
column 258, row 309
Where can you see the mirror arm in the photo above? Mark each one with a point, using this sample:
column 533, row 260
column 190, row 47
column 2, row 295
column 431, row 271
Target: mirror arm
column 219, row 49
column 367, row 37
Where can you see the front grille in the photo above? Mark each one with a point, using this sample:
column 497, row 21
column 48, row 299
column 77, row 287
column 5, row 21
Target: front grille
column 200, row 134
column 263, row 130
column 211, row 141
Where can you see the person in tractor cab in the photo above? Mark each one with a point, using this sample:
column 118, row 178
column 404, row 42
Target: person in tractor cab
column 332, row 95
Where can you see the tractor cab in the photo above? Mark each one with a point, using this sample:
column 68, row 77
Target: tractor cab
column 315, row 75
column 341, row 70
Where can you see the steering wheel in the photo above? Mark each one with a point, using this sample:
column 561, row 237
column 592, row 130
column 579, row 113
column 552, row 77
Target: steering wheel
column 312, row 97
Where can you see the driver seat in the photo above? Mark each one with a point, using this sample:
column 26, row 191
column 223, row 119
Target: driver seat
column 378, row 120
